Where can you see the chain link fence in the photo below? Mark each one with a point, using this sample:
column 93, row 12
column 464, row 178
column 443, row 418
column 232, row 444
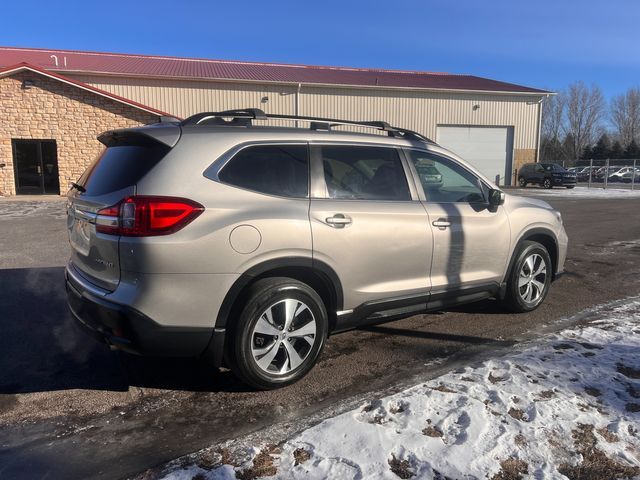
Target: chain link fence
column 609, row 173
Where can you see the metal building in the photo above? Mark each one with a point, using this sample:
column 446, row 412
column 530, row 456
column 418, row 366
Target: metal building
column 494, row 125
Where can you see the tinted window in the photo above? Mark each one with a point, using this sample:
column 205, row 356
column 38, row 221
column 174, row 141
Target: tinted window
column 367, row 173
column 273, row 169
column 444, row 181
column 119, row 167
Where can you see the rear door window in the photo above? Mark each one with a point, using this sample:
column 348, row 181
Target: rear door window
column 281, row 170
column 119, row 167
column 364, row 173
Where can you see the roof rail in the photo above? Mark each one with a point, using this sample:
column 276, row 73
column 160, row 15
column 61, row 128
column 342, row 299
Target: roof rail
column 245, row 116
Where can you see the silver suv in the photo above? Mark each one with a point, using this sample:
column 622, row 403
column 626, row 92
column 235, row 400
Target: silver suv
column 249, row 245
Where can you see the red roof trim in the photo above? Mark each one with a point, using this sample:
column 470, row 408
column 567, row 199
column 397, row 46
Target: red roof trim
column 220, row 60
column 130, row 65
column 19, row 67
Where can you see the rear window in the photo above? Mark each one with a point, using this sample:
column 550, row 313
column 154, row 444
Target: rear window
column 120, row 166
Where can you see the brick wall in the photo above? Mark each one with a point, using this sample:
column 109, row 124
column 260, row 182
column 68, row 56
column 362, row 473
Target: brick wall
column 53, row 110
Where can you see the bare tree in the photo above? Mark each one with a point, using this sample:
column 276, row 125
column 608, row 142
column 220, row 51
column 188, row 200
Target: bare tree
column 553, row 111
column 625, row 116
column 585, row 110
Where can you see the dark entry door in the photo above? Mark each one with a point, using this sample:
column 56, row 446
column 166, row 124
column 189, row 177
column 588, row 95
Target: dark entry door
column 36, row 167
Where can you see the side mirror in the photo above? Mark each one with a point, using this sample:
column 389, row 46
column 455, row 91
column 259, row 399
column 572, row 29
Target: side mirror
column 496, row 197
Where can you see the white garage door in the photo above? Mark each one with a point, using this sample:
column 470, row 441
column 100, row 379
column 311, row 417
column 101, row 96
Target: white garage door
column 486, row 148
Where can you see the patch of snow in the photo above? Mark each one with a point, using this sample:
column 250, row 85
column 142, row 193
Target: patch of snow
column 579, row 192
column 527, row 407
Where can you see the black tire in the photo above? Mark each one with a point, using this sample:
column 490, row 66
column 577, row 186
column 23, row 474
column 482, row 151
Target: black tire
column 515, row 296
column 266, row 294
column 546, row 183
column 522, row 182
column 569, row 187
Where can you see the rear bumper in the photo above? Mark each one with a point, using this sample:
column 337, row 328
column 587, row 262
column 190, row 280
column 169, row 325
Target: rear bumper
column 127, row 329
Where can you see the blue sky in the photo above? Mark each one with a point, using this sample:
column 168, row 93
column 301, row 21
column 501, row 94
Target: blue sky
column 536, row 43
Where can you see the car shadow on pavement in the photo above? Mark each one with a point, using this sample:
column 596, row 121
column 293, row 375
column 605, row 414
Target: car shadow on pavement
column 43, row 349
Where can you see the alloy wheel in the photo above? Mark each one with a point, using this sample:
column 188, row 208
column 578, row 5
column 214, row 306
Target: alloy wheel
column 283, row 337
column 532, row 278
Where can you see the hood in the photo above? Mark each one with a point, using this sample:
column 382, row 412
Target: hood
column 518, row 201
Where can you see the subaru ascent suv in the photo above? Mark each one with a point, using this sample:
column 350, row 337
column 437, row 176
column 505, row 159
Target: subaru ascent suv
column 249, row 244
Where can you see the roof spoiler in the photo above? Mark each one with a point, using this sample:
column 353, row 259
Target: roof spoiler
column 165, row 133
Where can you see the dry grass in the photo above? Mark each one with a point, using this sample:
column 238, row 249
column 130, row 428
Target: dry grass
column 633, row 407
column 608, row 435
column 511, row 469
column 397, row 408
column 300, row 455
column 496, row 379
column 628, row 372
column 593, row 391
column 262, row 466
column 518, row 414
column 595, row 465
column 443, row 389
column 520, row 440
column 432, row 431
column 402, row 468
column 547, row 394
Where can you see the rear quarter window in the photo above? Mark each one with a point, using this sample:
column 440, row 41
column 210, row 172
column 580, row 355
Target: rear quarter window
column 281, row 170
column 119, row 167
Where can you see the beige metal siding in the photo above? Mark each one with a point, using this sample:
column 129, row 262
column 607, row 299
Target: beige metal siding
column 418, row 110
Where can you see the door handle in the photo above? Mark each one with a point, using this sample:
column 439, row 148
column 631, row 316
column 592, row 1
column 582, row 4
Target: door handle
column 441, row 223
column 339, row 220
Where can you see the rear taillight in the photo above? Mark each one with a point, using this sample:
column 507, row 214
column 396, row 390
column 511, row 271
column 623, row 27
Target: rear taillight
column 143, row 216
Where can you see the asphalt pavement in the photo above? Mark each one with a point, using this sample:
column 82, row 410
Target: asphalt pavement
column 71, row 408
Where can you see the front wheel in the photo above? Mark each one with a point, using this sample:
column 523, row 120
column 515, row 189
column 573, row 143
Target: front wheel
column 530, row 278
column 279, row 333
column 522, row 182
column 547, row 183
column 569, row 187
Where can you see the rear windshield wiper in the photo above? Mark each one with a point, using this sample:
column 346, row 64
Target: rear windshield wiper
column 78, row 187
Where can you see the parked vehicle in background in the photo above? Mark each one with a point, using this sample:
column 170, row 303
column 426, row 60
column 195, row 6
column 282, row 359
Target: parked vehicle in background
column 628, row 177
column 547, row 175
column 603, row 173
column 249, row 244
column 583, row 173
column 619, row 174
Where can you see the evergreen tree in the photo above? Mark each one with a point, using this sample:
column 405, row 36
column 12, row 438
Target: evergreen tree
column 602, row 149
column 632, row 150
column 616, row 150
column 587, row 153
column 551, row 150
column 568, row 146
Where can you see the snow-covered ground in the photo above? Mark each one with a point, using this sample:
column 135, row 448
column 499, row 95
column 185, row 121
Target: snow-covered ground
column 564, row 406
column 581, row 192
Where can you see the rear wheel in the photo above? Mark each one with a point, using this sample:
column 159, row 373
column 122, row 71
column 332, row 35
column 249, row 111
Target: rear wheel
column 546, row 183
column 279, row 334
column 522, row 182
column 530, row 278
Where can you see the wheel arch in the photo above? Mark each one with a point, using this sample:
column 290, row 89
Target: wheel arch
column 318, row 275
column 543, row 236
